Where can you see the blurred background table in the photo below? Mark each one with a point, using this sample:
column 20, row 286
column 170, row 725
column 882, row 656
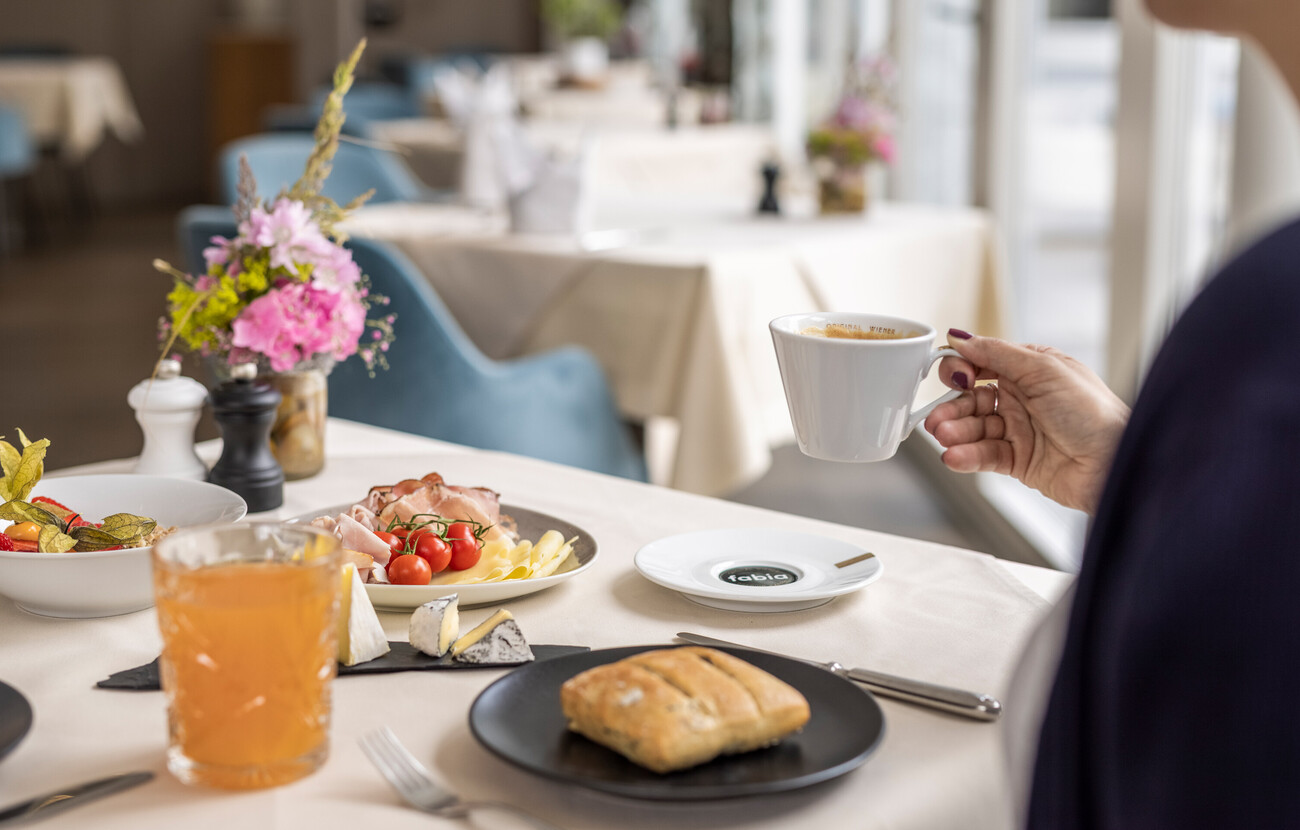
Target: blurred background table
column 673, row 296
column 722, row 158
column 70, row 103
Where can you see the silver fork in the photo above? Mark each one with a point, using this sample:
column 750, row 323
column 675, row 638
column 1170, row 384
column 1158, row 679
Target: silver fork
column 413, row 782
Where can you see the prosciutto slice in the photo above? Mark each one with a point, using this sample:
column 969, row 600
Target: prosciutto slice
column 474, row 504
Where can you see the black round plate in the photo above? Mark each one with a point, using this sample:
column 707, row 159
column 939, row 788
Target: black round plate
column 15, row 718
column 519, row 719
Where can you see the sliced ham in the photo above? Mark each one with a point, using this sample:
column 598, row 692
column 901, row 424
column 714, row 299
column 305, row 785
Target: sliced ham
column 358, row 537
column 453, row 503
column 364, row 516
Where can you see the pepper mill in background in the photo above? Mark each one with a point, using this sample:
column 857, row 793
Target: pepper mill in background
column 769, row 203
column 244, row 411
column 167, row 408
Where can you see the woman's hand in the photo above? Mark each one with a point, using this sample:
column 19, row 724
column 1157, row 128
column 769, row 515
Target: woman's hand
column 1049, row 421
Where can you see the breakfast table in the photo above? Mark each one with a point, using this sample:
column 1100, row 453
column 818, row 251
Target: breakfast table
column 673, row 292
column 936, row 613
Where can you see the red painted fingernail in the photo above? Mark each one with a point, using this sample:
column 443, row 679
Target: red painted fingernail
column 961, row 380
column 959, row 334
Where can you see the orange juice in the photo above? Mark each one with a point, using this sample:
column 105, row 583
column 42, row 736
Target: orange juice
column 249, row 651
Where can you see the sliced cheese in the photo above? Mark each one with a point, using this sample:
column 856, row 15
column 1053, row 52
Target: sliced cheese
column 361, row 637
column 497, row 639
column 435, row 624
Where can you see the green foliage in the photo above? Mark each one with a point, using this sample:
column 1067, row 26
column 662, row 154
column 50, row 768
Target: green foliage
column 582, row 18
column 843, row 146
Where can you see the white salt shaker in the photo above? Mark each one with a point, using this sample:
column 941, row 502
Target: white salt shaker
column 168, row 407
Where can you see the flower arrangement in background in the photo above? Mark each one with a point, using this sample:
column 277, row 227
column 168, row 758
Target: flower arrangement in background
column 284, row 292
column 858, row 132
column 861, row 129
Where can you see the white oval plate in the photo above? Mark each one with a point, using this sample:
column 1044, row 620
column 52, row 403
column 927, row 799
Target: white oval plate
column 756, row 570
column 532, row 524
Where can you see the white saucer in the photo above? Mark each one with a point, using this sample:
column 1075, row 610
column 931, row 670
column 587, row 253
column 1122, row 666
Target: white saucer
column 755, row 570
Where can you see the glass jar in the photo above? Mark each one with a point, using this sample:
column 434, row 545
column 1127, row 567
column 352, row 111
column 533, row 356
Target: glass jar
column 841, row 188
column 298, row 435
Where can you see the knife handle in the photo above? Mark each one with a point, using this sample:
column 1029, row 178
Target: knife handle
column 944, row 698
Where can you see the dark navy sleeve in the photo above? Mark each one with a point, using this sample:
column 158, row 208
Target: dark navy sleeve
column 1175, row 705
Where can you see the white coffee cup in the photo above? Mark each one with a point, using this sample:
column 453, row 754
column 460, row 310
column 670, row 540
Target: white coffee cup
column 850, row 399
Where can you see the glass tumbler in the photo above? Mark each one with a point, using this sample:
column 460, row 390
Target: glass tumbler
column 248, row 614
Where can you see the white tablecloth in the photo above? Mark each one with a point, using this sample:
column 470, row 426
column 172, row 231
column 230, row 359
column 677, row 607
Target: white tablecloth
column 678, row 315
column 938, row 613
column 70, row 103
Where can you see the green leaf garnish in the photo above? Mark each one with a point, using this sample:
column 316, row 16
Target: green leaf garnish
column 53, row 540
column 21, row 511
column 127, row 525
column 23, row 471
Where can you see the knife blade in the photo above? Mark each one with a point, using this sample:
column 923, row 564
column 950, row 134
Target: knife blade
column 944, row 698
column 56, row 802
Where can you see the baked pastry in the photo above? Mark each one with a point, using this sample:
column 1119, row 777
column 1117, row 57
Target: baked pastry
column 674, row 708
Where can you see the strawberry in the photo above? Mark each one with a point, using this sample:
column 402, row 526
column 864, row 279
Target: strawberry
column 6, row 543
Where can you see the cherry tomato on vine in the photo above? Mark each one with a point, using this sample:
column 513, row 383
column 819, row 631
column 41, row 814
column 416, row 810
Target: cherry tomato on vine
column 435, row 550
column 395, row 543
column 409, row 569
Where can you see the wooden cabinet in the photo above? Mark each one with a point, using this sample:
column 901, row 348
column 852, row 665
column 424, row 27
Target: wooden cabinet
column 247, row 72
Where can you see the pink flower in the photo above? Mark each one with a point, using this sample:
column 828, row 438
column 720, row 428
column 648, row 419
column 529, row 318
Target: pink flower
column 219, row 253
column 288, row 232
column 295, row 321
column 884, row 147
column 334, row 268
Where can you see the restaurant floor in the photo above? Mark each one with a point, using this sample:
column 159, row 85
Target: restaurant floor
column 79, row 315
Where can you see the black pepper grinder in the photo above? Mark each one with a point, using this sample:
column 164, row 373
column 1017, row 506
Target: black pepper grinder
column 769, row 203
column 245, row 411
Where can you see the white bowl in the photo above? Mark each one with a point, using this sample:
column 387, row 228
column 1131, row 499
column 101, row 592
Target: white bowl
column 105, row 583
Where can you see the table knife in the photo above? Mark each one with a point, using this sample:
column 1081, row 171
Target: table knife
column 956, row 701
column 60, row 800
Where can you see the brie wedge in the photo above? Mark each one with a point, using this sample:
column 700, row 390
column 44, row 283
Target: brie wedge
column 496, row 640
column 361, row 637
column 435, row 624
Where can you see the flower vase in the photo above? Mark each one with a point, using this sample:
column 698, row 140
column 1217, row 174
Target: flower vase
column 298, row 434
column 842, row 188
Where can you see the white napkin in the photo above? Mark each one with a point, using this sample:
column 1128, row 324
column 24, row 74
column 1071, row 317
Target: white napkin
column 555, row 200
column 497, row 160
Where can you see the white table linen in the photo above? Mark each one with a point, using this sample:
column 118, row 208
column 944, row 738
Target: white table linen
column 70, row 103
column 678, row 314
column 938, row 613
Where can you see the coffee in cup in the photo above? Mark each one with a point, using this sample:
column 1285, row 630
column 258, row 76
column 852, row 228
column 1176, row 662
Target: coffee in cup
column 851, row 381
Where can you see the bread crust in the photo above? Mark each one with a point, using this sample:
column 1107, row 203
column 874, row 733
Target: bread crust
column 670, row 709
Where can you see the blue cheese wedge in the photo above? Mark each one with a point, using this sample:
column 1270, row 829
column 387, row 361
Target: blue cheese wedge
column 361, row 637
column 496, row 640
column 435, row 624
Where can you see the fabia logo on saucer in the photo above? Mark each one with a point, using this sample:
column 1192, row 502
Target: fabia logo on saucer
column 758, row 576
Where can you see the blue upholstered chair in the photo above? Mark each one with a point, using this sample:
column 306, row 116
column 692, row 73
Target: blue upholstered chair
column 17, row 160
column 17, row 153
column 369, row 101
column 278, row 159
column 556, row 405
column 365, row 103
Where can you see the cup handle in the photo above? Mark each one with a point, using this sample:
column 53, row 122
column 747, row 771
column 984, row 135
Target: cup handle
column 951, row 395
